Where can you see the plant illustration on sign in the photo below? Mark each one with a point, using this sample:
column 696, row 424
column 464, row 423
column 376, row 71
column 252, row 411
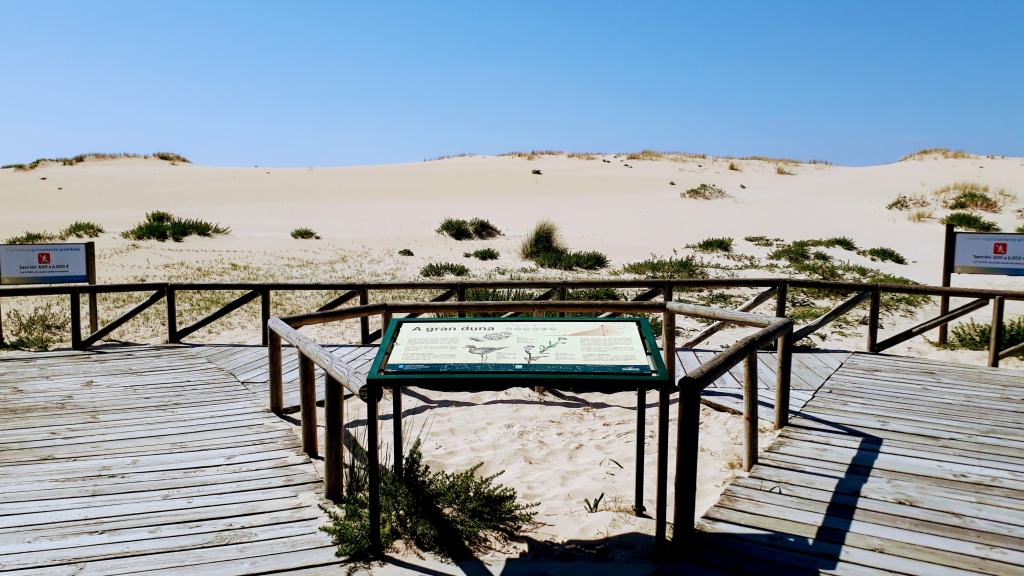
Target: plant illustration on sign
column 541, row 350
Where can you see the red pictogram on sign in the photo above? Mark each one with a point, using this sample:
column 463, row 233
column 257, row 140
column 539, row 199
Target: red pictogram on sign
column 999, row 248
column 43, row 257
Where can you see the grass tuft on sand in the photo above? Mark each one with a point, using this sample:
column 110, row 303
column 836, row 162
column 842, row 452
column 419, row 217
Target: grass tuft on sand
column 160, row 225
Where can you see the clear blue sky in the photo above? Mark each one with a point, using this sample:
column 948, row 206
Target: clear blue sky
column 338, row 83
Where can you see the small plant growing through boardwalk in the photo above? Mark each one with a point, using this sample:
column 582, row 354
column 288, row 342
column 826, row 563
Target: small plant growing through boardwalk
column 782, row 171
column 437, row 269
column 883, row 254
column 160, row 225
column 486, row 254
column 969, row 221
column 704, row 192
column 38, row 329
column 405, row 252
column 455, row 515
column 305, row 234
column 723, row 244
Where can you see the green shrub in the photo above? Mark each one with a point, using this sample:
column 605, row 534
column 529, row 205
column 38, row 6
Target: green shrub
column 762, row 241
column 672, row 267
column 704, row 192
column 973, row 200
column 793, row 253
column 544, row 238
column 38, row 329
column 973, row 335
column 32, row 238
column 483, row 229
column 455, row 228
column 723, row 244
column 844, row 242
column 884, row 255
column 81, row 229
column 454, row 515
column 1020, row 229
column 171, row 157
column 305, row 234
column 485, row 254
column 969, row 221
column 160, row 225
column 433, row 270
column 405, row 252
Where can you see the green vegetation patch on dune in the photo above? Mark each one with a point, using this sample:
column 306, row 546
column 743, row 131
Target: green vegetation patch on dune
column 162, row 226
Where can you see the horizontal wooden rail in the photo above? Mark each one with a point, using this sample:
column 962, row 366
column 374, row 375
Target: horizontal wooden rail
column 747, row 306
column 341, row 372
column 830, row 316
column 730, row 316
column 83, row 343
column 542, row 297
column 340, row 300
column 931, row 324
column 644, row 296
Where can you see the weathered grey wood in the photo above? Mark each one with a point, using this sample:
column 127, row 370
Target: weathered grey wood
column 121, row 320
column 750, row 411
column 995, row 339
column 783, row 373
column 747, row 306
column 730, row 316
column 275, row 376
column 339, row 301
column 218, row 314
column 334, row 450
column 931, row 324
column 818, row 323
column 307, row 401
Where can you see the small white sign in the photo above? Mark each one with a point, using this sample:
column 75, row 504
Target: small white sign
column 1001, row 254
column 43, row 263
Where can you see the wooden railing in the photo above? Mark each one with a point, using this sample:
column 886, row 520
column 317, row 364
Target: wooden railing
column 553, row 290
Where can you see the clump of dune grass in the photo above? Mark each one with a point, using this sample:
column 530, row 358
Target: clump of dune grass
column 583, row 155
column 544, row 246
column 920, row 215
column 969, row 221
column 645, row 155
column 160, row 225
column 973, row 196
column 704, row 192
column 905, row 202
column 782, row 171
column 972, row 335
column 762, row 241
column 305, row 234
column 722, row 244
column 935, row 153
column 405, row 252
column 671, row 267
column 32, row 238
column 484, row 254
column 37, row 329
column 735, row 167
column 437, row 269
column 1020, row 229
column 460, row 229
column 883, row 254
column 81, row 229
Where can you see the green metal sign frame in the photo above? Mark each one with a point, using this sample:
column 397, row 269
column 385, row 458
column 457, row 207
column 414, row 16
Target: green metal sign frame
column 466, row 379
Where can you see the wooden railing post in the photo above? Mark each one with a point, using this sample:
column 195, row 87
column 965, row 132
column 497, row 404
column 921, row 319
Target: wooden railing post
column 460, row 295
column 995, row 337
column 364, row 322
column 307, row 404
column 874, row 310
column 90, row 273
column 750, row 411
column 687, row 440
column 949, row 252
column 373, row 466
column 668, row 340
column 276, row 377
column 172, row 316
column 334, row 449
column 76, row 319
column 783, row 373
column 264, row 314
column 560, row 296
column 780, row 300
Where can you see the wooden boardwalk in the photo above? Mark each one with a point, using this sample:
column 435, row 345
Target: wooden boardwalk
column 149, row 460
column 810, row 369
column 897, row 465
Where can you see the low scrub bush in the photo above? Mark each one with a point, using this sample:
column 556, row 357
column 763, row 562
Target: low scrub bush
column 38, row 329
column 483, row 229
column 969, row 221
column 704, row 192
column 672, row 267
column 782, row 171
column 160, row 225
column 762, row 241
column 305, row 234
column 972, row 335
column 935, row 153
column 972, row 200
column 485, row 254
column 405, row 252
column 81, row 229
column 904, row 202
column 436, row 269
column 455, row 515
column 543, row 238
column 32, row 238
column 544, row 246
column 723, row 244
column 459, row 229
column 735, row 167
column 883, row 254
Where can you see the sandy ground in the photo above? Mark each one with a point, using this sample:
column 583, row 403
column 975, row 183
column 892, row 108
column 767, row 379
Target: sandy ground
column 557, row 451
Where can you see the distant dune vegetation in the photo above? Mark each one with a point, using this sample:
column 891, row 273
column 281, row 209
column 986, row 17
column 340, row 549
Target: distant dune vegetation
column 165, row 156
